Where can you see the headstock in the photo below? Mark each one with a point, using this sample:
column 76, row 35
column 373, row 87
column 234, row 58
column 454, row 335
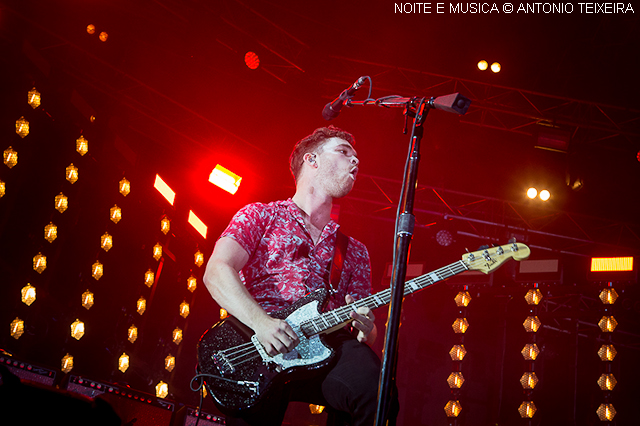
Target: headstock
column 489, row 259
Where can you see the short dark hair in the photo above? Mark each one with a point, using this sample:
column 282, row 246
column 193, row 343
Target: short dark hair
column 313, row 142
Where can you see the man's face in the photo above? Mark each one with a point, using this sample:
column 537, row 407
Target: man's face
column 337, row 167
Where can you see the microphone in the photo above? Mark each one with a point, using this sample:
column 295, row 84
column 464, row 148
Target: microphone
column 332, row 109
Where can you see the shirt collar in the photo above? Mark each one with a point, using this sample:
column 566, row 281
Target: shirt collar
column 330, row 228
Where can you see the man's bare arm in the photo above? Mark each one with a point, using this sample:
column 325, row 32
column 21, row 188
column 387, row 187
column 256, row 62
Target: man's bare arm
column 223, row 282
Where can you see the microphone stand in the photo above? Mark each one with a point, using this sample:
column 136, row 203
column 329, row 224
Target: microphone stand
column 405, row 221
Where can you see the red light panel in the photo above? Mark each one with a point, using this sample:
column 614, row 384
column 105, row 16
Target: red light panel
column 602, row 264
column 164, row 189
column 225, row 179
column 198, row 224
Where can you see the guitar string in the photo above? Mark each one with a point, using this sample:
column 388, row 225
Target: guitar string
column 369, row 301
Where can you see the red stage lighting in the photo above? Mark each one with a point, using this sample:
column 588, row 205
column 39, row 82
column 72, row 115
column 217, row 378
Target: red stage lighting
column 164, row 189
column 225, row 179
column 198, row 224
column 252, row 60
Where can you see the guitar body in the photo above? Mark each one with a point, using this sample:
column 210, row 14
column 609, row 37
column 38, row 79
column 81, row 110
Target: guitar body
column 242, row 375
column 246, row 372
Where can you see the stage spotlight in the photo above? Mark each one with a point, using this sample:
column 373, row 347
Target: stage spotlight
column 532, row 193
column 444, row 238
column 545, row 195
column 197, row 224
column 495, row 67
column 225, row 179
column 91, row 29
column 316, row 409
column 603, row 264
column 252, row 60
column 483, row 65
column 223, row 313
column 28, row 294
column 104, row 36
column 164, row 189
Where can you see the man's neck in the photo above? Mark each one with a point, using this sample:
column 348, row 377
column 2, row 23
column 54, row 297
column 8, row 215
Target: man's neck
column 316, row 208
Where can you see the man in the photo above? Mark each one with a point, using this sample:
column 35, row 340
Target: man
column 273, row 254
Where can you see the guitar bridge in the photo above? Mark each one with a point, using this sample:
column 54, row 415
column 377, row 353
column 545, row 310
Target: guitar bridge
column 222, row 363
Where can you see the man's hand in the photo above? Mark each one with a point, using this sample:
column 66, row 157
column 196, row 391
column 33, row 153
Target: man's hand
column 363, row 320
column 276, row 335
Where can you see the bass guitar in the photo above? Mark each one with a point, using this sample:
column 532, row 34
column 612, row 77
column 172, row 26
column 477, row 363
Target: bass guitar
column 239, row 372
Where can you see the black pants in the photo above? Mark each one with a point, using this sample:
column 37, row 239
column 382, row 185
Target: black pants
column 350, row 386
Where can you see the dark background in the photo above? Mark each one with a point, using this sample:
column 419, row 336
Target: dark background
column 172, row 95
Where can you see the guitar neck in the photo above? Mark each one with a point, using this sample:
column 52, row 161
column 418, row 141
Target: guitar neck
column 336, row 318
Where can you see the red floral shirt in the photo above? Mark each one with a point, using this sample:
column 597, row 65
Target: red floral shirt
column 284, row 264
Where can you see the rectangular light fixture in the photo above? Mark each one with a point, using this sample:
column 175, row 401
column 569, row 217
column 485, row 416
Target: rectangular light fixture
column 611, row 264
column 225, row 179
column 164, row 189
column 198, row 224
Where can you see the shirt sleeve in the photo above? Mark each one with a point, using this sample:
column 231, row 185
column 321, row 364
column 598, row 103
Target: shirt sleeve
column 248, row 226
column 359, row 284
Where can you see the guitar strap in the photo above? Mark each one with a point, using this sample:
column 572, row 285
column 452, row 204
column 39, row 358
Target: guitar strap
column 339, row 253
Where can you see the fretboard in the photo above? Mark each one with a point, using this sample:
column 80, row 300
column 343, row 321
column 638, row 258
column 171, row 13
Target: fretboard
column 342, row 315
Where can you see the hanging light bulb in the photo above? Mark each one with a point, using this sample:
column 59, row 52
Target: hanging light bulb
column 34, row 98
column 529, row 380
column 462, row 299
column 132, row 333
column 607, row 324
column 39, row 263
column 608, row 296
column 149, row 277
column 71, row 173
column 106, row 241
column 50, row 232
column 82, row 145
column 191, row 283
column 125, row 187
column 3, row 188
column 527, row 409
column 177, row 335
column 316, row 409
column 165, row 225
column 169, row 362
column 157, row 251
column 10, row 157
column 67, row 363
column 17, row 328
column 162, row 389
column 460, row 325
column 28, row 294
column 22, row 127
column 453, row 408
column 87, row 300
column 607, row 352
column 97, row 270
column 223, row 313
column 123, row 362
column 184, row 309
column 198, row 258
column 455, row 380
column 530, row 352
column 457, row 353
column 77, row 329
column 61, row 202
column 115, row 213
column 532, row 324
column 141, row 305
